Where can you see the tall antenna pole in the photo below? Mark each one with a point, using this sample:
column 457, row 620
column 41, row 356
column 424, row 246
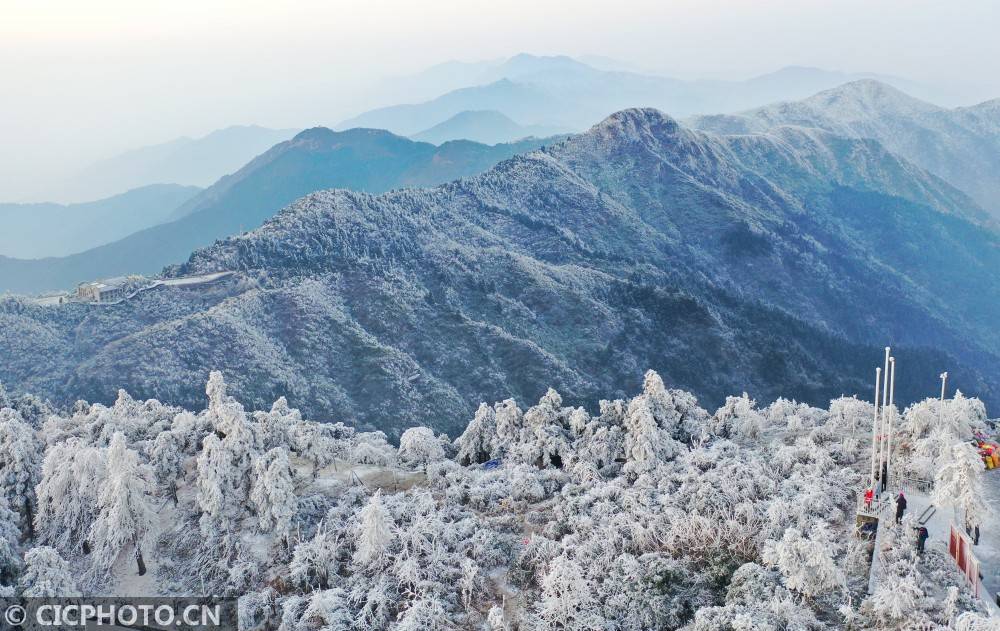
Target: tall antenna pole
column 944, row 380
column 892, row 413
column 878, row 382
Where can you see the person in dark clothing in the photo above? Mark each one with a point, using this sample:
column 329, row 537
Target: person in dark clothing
column 885, row 476
column 975, row 535
column 922, row 536
column 900, row 507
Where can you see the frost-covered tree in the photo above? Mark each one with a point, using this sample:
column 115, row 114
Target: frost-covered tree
column 476, row 444
column 316, row 561
column 10, row 535
column 567, row 600
column 32, row 409
column 258, row 610
column 970, row 621
column 46, row 575
column 658, row 423
column 124, row 517
column 471, row 583
column 21, row 456
column 225, row 464
column 318, row 443
column 213, row 477
column 646, row 444
column 509, row 422
column 930, row 452
column 650, row 591
column 327, row 609
column 378, row 600
column 372, row 448
column 374, row 534
column 166, row 457
column 738, row 418
column 418, row 447
column 851, row 414
column 959, row 483
column 806, row 564
column 273, row 492
column 894, row 601
column 958, row 417
column 426, row 612
column 73, row 473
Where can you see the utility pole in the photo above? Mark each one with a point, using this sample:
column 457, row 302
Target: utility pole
column 944, row 380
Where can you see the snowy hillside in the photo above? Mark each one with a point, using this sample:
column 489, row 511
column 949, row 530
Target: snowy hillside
column 647, row 513
column 960, row 145
column 637, row 245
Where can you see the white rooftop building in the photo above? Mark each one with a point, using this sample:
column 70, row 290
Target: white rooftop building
column 108, row 290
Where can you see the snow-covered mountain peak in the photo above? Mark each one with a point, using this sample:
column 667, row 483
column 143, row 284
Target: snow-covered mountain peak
column 991, row 107
column 635, row 123
column 867, row 98
column 324, row 136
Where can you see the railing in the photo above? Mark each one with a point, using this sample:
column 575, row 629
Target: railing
column 879, row 504
column 919, row 484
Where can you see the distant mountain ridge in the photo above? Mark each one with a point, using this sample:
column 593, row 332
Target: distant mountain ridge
column 39, row 230
column 567, row 93
column 187, row 161
column 315, row 159
column 961, row 145
column 485, row 126
column 774, row 263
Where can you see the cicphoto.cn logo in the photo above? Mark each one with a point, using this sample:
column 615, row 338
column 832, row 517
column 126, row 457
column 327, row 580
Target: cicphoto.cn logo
column 181, row 614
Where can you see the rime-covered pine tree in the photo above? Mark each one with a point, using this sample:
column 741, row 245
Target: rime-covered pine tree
column 46, row 575
column 21, row 456
column 959, row 483
column 273, row 492
column 374, row 533
column 10, row 535
column 476, row 443
column 73, row 473
column 124, row 516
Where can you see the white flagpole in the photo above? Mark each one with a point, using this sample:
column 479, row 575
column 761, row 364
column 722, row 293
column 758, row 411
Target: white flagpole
column 885, row 402
column 878, row 382
column 892, row 414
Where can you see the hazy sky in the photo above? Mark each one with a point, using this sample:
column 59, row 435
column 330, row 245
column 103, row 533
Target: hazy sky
column 83, row 79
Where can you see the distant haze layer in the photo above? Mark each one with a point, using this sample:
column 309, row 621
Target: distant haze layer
column 89, row 80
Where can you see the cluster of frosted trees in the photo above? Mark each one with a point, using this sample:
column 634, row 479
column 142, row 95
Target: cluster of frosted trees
column 651, row 514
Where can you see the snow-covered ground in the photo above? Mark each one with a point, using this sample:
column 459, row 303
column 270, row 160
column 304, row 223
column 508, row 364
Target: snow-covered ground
column 988, row 550
column 939, row 524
